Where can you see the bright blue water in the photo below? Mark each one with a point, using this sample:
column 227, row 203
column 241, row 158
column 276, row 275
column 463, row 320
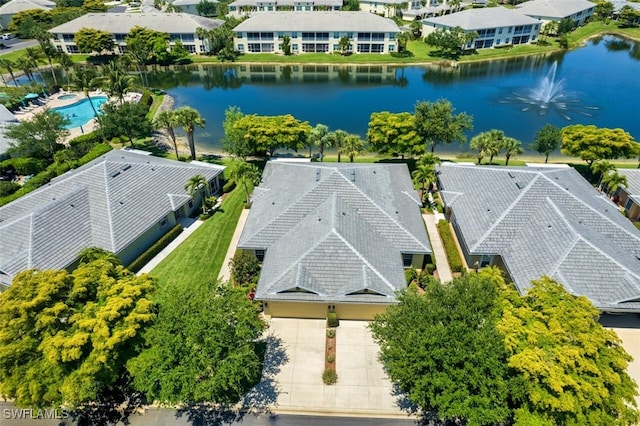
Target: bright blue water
column 603, row 77
column 69, row 96
column 79, row 113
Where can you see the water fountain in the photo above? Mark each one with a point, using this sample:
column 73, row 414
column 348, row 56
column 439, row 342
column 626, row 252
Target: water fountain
column 549, row 95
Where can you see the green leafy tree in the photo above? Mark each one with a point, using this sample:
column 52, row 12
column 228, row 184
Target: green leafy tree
column 166, row 120
column 204, row 347
column 39, row 137
column 511, row 147
column 450, row 42
column 188, row 118
column 146, row 46
column 443, row 350
column 591, row 143
column 94, row 6
column 628, row 15
column 547, row 140
column 318, row 137
column 194, row 184
column 403, row 39
column 286, row 45
column 344, row 44
column 416, row 29
column 352, row 146
column 127, row 119
column 565, row 26
column 90, row 40
column 244, row 268
column 244, row 173
column 571, row 369
column 206, row 8
column 437, row 123
column 269, row 133
column 393, row 134
column 91, row 254
column 66, row 337
column 604, row 9
column 336, row 140
column 234, row 142
column 351, row 5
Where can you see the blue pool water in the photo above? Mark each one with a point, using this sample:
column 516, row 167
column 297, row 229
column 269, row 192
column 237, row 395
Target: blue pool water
column 79, row 113
column 69, row 96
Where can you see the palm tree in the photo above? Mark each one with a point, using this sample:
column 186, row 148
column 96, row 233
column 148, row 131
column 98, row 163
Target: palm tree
column 352, row 145
column 487, row 143
column 90, row 254
column 23, row 63
column 243, row 172
column 194, row 184
column 189, row 118
column 66, row 63
column 166, row 120
column 429, row 159
column 511, row 146
column 614, row 180
column 423, row 176
column 8, row 64
column 603, row 168
column 84, row 78
column 115, row 80
column 336, row 139
column 318, row 137
column 34, row 54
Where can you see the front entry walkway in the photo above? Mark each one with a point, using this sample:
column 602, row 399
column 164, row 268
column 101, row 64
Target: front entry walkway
column 439, row 255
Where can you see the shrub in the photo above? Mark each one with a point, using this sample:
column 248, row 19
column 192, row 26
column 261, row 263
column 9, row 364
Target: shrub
column 330, row 359
column 8, row 188
column 156, row 248
column 82, row 144
column 331, row 333
column 247, row 205
column 146, row 100
column 24, row 166
column 430, row 268
column 410, row 275
column 332, row 320
column 229, row 186
column 204, row 216
column 245, row 267
column 329, row 377
column 96, row 151
column 453, row 255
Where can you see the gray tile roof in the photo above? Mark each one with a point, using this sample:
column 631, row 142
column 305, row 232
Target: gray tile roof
column 15, row 6
column 556, row 9
column 107, row 203
column 477, row 19
column 545, row 221
column 255, row 3
column 122, row 23
column 336, row 231
column 317, row 21
column 633, row 181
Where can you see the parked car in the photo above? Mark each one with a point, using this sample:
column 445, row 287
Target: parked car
column 7, row 36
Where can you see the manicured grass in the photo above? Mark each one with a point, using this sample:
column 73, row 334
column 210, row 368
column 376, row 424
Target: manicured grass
column 157, row 101
column 199, row 258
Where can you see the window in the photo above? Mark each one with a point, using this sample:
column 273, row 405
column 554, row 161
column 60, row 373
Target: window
column 364, row 36
column 163, row 222
column 628, row 205
column 294, row 35
column 377, row 48
column 336, row 48
column 280, row 36
column 407, row 260
column 254, row 47
column 72, row 49
column 68, row 38
column 364, row 48
column 240, row 47
column 190, row 48
column 377, row 36
column 336, row 35
column 260, row 255
column 498, row 41
column 294, row 47
column 486, row 260
column 500, row 31
column 392, row 36
column 239, row 35
column 392, row 48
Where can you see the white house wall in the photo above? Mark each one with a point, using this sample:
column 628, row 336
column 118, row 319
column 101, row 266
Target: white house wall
column 495, row 37
column 191, row 42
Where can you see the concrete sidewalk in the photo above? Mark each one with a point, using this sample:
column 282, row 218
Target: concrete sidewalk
column 225, row 271
column 189, row 226
column 439, row 255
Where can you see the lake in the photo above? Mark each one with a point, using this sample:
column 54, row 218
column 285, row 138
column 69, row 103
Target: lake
column 597, row 84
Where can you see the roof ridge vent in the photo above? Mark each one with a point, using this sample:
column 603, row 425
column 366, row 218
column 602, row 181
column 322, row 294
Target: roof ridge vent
column 318, row 174
column 353, row 175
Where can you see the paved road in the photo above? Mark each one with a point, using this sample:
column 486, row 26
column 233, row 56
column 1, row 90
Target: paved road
column 162, row 417
column 16, row 44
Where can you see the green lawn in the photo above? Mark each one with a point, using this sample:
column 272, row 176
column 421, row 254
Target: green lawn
column 199, row 258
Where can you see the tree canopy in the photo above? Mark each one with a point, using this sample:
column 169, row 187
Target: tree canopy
column 90, row 40
column 234, row 142
column 65, row 337
column 547, row 140
column 128, row 119
column 394, row 134
column 450, row 42
column 38, row 137
column 437, row 123
column 269, row 133
column 591, row 143
column 204, row 346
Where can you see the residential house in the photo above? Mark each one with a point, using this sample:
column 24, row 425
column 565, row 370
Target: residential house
column 556, row 10
column 388, row 8
column 9, row 9
column 6, row 119
column 495, row 26
column 191, row 6
column 123, row 201
column 334, row 237
column 241, row 8
column 629, row 195
column 535, row 221
column 179, row 26
column 316, row 32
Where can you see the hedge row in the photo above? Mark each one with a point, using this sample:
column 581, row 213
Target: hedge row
column 156, row 248
column 24, row 166
column 453, row 255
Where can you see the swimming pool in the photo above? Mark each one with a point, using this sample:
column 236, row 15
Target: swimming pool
column 67, row 96
column 79, row 113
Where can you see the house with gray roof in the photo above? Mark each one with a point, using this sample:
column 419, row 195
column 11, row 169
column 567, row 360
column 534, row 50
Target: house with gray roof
column 494, row 26
column 179, row 26
column 6, row 119
column 191, row 6
column 535, row 221
column 240, row 8
column 316, row 32
column 12, row 7
column 334, row 237
column 629, row 195
column 122, row 202
column 556, row 10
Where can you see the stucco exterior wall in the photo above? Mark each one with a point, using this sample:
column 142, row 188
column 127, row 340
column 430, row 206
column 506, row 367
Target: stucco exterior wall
column 346, row 311
column 144, row 241
column 496, row 36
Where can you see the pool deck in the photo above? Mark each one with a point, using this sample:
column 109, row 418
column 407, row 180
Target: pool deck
column 54, row 101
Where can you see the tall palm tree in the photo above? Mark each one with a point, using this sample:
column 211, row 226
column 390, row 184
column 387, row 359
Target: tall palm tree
column 66, row 63
column 194, row 184
column 487, row 143
column 614, row 180
column 166, row 120
column 189, row 118
column 423, row 176
column 243, row 172
column 8, row 64
column 318, row 137
column 511, row 146
column 352, row 146
column 603, row 168
column 34, row 54
column 336, row 139
column 115, row 80
column 23, row 63
column 84, row 78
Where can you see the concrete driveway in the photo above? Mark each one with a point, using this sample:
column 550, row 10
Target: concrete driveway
column 362, row 389
column 627, row 327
